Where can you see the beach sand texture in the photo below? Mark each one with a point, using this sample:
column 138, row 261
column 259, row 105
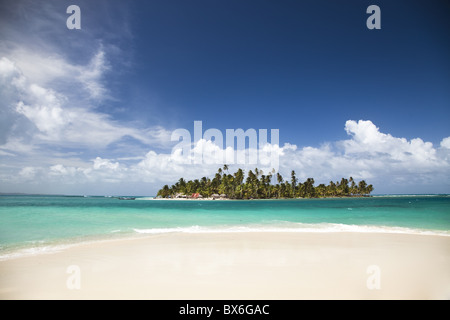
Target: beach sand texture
column 238, row 266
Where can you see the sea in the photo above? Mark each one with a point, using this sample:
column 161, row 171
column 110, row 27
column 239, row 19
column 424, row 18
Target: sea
column 39, row 224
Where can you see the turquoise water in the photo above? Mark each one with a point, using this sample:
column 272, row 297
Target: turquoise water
column 30, row 224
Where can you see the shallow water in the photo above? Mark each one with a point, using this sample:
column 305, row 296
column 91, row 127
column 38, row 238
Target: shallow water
column 33, row 224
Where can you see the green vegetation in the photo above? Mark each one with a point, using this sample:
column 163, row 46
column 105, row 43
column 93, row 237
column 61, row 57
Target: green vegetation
column 258, row 185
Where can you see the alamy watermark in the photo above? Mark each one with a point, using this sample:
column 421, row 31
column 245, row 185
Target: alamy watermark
column 74, row 20
column 373, row 282
column 236, row 146
column 73, row 282
column 372, row 22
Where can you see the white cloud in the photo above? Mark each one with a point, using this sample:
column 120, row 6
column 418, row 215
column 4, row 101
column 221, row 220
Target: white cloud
column 387, row 162
column 53, row 86
column 46, row 69
column 44, row 111
column 445, row 143
column 100, row 163
column 33, row 63
column 16, row 146
column 59, row 122
column 98, row 170
column 28, row 173
column 7, row 67
column 91, row 75
column 366, row 138
column 371, row 154
column 369, row 159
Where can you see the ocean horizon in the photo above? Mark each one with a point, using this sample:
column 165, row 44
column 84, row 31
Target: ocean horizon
column 36, row 224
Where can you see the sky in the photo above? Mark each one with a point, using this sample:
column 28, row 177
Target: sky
column 93, row 110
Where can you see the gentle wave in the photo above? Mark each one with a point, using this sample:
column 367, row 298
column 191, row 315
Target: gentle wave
column 295, row 227
column 50, row 248
column 281, row 226
column 32, row 248
column 34, row 251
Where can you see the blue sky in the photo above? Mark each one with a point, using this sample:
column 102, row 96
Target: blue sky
column 91, row 111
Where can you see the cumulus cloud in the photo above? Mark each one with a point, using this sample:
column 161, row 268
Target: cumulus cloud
column 54, row 83
column 51, row 118
column 445, row 143
column 367, row 154
column 367, row 139
column 28, row 173
column 371, row 154
column 384, row 160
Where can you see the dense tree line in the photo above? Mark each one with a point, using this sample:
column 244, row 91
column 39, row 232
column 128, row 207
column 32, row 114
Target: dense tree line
column 258, row 185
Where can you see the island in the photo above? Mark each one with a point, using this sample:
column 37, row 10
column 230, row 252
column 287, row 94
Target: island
column 259, row 185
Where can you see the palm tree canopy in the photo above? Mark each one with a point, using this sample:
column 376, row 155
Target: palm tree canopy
column 258, row 185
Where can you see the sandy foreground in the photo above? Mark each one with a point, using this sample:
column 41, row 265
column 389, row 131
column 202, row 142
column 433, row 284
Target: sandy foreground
column 238, row 266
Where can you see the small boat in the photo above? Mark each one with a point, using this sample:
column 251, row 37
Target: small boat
column 126, row 198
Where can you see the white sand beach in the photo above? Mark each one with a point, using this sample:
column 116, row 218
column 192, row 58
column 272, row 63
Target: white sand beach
column 238, row 266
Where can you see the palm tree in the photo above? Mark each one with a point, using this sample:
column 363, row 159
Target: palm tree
column 352, row 186
column 238, row 179
column 250, row 177
column 321, row 189
column 344, row 187
column 268, row 183
column 258, row 185
column 293, row 183
column 369, row 189
column 181, row 186
column 164, row 192
column 331, row 189
column 280, row 181
column 309, row 188
column 287, row 189
column 362, row 187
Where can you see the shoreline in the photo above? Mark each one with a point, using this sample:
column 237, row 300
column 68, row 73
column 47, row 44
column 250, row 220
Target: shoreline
column 18, row 251
column 251, row 199
column 259, row 265
column 54, row 246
